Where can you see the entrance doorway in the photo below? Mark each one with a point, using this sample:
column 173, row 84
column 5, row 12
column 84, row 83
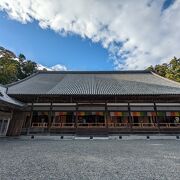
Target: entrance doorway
column 4, row 123
column 91, row 119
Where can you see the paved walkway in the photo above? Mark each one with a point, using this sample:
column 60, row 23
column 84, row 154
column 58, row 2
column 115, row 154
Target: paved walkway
column 45, row 158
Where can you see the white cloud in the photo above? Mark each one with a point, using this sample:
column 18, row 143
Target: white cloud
column 40, row 67
column 57, row 67
column 137, row 33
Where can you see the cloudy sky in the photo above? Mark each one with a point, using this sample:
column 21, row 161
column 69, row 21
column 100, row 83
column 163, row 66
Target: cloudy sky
column 92, row 34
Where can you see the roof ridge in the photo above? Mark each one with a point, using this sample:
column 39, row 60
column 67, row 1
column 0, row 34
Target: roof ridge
column 175, row 82
column 98, row 72
column 17, row 82
column 56, row 84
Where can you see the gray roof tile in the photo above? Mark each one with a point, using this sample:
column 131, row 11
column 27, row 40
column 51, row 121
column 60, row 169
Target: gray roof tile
column 5, row 99
column 95, row 83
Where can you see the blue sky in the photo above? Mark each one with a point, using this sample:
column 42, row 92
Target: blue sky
column 136, row 34
column 49, row 48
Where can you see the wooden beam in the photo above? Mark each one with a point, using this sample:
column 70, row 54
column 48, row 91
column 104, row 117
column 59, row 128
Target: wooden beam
column 130, row 117
column 30, row 119
column 156, row 117
column 50, row 118
column 106, row 116
column 76, row 118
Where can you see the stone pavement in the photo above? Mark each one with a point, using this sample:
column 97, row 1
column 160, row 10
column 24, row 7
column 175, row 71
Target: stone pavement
column 83, row 159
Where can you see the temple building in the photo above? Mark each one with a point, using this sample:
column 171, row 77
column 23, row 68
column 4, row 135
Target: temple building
column 91, row 103
column 7, row 114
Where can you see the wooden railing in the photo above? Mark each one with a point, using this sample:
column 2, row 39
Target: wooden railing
column 53, row 125
column 62, row 125
column 40, row 125
column 118, row 125
column 169, row 125
column 91, row 125
column 164, row 125
column 144, row 125
column 102, row 125
column 123, row 125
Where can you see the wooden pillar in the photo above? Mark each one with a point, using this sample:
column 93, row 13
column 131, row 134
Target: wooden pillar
column 50, row 118
column 106, row 116
column 12, row 110
column 130, row 117
column 11, row 124
column 76, row 118
column 30, row 119
column 156, row 117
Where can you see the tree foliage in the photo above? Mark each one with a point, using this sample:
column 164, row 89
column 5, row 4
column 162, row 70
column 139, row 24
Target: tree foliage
column 15, row 69
column 169, row 70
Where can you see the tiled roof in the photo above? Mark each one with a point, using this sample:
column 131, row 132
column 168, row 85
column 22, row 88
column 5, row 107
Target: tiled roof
column 5, row 99
column 95, row 83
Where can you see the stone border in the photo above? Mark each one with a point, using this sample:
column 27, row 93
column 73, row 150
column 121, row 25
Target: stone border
column 91, row 137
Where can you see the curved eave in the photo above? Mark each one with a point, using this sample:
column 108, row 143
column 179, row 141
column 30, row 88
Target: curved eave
column 11, row 105
column 92, row 94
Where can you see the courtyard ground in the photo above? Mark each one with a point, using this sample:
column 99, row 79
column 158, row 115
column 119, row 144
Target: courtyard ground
column 25, row 158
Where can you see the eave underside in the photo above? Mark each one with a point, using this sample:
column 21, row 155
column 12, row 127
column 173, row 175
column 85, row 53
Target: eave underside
column 97, row 98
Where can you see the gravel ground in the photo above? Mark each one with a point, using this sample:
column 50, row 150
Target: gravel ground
column 89, row 159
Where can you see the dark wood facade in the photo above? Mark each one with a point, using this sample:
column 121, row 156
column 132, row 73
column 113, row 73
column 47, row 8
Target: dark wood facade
column 127, row 124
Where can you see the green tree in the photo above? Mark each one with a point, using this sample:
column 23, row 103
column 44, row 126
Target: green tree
column 12, row 70
column 150, row 68
column 8, row 70
column 29, row 68
column 22, row 57
column 170, row 70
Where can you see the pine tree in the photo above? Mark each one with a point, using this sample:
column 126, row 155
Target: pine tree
column 170, row 70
